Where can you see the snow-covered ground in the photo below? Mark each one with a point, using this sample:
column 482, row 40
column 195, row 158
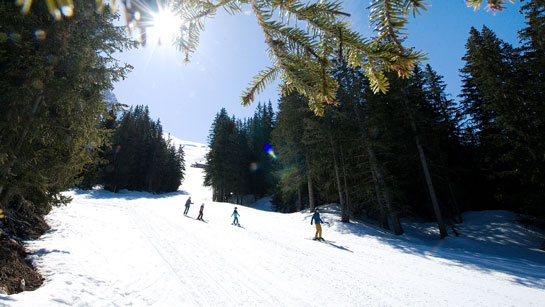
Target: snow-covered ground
column 137, row 249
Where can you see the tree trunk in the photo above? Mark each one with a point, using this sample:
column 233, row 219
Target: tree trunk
column 457, row 212
column 398, row 229
column 311, row 201
column 379, row 182
column 344, row 214
column 346, row 199
column 431, row 189
column 299, row 198
column 442, row 229
column 382, row 208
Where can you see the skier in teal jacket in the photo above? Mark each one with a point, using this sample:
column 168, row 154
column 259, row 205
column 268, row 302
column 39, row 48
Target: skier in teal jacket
column 236, row 215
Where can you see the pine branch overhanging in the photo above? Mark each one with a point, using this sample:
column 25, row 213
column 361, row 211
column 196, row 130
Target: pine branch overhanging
column 302, row 53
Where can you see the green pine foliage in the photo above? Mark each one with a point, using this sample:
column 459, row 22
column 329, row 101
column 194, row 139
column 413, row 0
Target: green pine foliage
column 502, row 98
column 292, row 154
column 221, row 160
column 304, row 39
column 362, row 152
column 140, row 158
column 53, row 77
column 533, row 75
column 237, row 163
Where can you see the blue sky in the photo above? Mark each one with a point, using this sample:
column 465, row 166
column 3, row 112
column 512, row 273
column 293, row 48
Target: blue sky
column 186, row 97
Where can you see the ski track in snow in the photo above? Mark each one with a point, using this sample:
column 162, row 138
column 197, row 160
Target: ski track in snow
column 137, row 249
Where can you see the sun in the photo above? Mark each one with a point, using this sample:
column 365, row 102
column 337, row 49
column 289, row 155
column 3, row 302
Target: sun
column 166, row 25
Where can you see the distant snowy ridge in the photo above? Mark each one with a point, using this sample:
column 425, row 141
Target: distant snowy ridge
column 194, row 152
column 109, row 97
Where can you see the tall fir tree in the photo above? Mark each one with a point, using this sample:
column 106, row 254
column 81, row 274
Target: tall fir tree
column 504, row 122
column 533, row 74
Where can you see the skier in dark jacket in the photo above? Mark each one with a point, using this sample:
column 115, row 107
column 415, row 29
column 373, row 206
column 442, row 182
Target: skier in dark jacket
column 317, row 221
column 187, row 204
column 200, row 212
column 235, row 214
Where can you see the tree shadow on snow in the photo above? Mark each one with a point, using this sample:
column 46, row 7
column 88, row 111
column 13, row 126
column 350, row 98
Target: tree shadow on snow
column 525, row 265
column 44, row 251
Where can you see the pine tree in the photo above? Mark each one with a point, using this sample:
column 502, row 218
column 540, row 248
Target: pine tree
column 220, row 159
column 446, row 132
column 53, row 77
column 292, row 153
column 140, row 158
column 532, row 73
column 364, row 110
column 500, row 117
column 413, row 97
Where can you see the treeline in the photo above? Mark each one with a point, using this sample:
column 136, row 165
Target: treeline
column 412, row 151
column 137, row 156
column 237, row 163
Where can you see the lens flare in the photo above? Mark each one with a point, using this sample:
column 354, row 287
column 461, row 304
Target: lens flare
column 67, row 10
column 438, row 246
column 253, row 167
column 268, row 149
column 40, row 34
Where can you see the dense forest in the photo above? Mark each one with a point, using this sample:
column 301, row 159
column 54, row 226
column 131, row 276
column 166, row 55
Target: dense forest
column 237, row 163
column 410, row 152
column 137, row 157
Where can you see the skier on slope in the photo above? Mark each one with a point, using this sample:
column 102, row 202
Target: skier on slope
column 318, row 221
column 187, row 205
column 200, row 213
column 236, row 215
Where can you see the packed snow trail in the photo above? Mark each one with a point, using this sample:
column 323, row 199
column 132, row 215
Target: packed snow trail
column 137, row 249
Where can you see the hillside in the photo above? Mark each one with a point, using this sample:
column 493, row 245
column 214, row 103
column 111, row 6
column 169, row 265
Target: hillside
column 134, row 248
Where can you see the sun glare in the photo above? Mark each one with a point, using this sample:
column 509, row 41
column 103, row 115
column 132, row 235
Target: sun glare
column 166, row 25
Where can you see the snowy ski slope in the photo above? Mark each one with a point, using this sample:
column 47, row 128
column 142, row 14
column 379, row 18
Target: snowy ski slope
column 137, row 249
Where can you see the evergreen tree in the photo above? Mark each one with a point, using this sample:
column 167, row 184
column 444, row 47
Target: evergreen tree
column 503, row 119
column 293, row 171
column 533, row 75
column 259, row 138
column 141, row 159
column 53, row 77
column 220, row 159
column 446, row 135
